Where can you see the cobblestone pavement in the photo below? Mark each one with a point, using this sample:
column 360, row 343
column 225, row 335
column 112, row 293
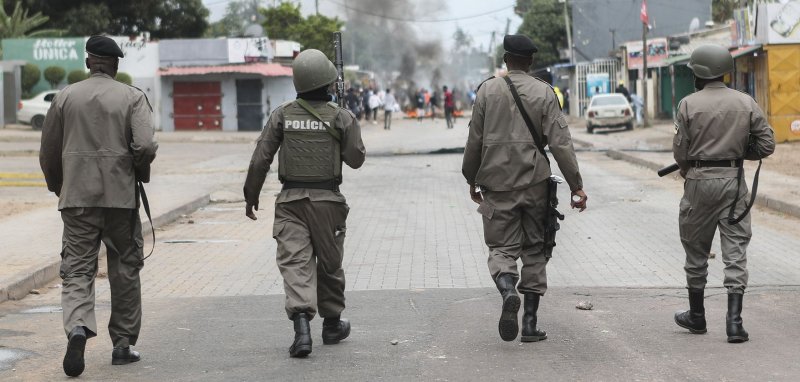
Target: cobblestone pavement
column 417, row 228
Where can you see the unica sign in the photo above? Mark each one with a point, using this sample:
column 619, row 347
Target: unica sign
column 56, row 49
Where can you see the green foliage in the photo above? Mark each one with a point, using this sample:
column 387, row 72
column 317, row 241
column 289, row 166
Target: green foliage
column 162, row 18
column 543, row 22
column 54, row 75
column 237, row 16
column 76, row 76
column 722, row 10
column 20, row 24
column 314, row 32
column 125, row 78
column 30, row 77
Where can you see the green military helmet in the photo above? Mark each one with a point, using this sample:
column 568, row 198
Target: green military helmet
column 312, row 70
column 710, row 61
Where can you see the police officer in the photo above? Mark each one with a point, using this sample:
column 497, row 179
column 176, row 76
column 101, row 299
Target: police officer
column 97, row 143
column 501, row 159
column 314, row 136
column 716, row 128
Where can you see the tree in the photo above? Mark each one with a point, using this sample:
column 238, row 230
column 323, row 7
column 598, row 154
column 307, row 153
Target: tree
column 30, row 77
column 161, row 18
column 315, row 32
column 76, row 76
column 54, row 75
column 543, row 22
column 125, row 78
column 722, row 10
column 237, row 17
column 20, row 24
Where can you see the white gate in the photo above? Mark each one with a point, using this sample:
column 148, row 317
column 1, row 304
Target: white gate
column 600, row 66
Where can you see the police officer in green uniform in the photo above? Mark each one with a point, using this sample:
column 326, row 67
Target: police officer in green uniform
column 314, row 136
column 97, row 143
column 716, row 129
column 502, row 158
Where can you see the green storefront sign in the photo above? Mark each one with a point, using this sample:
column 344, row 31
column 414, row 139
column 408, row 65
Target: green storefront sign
column 67, row 53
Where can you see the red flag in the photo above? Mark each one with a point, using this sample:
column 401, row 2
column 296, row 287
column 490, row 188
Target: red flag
column 643, row 13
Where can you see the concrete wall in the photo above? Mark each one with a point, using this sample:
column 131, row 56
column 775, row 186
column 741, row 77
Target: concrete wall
column 592, row 19
column 193, row 52
column 277, row 91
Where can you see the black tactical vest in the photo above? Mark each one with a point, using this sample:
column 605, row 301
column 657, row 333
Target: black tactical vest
column 309, row 153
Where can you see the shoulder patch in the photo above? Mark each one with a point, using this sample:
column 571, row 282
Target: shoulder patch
column 145, row 97
column 482, row 82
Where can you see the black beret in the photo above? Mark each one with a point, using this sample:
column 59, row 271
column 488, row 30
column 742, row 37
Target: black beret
column 103, row 46
column 519, row 45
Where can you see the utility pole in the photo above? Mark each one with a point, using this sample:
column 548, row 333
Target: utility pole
column 569, row 30
column 316, row 6
column 492, row 55
column 644, row 74
column 613, row 39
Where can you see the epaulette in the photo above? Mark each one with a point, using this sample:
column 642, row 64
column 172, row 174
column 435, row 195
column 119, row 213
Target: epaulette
column 481, row 84
column 551, row 88
column 334, row 105
column 145, row 96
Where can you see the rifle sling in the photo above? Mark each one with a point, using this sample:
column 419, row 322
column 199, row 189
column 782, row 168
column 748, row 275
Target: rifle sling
column 740, row 175
column 527, row 118
column 146, row 204
column 335, row 134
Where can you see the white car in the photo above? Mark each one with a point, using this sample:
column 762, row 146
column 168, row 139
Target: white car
column 609, row 110
column 32, row 111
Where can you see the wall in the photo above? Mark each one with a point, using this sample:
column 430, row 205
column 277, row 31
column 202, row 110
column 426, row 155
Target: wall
column 67, row 53
column 194, row 52
column 277, row 91
column 783, row 63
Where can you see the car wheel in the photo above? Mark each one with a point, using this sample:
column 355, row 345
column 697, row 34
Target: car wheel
column 629, row 126
column 37, row 122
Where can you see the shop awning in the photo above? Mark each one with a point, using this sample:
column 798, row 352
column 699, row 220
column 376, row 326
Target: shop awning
column 262, row 69
column 744, row 50
column 684, row 58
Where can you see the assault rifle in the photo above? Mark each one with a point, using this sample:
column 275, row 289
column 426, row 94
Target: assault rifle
column 552, row 216
column 668, row 170
column 337, row 53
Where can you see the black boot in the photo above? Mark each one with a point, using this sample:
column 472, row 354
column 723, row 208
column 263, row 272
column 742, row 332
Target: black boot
column 73, row 359
column 529, row 331
column 334, row 329
column 124, row 356
column 508, row 326
column 302, row 336
column 693, row 319
column 733, row 320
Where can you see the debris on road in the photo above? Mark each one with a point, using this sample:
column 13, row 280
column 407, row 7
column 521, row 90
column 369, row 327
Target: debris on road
column 584, row 305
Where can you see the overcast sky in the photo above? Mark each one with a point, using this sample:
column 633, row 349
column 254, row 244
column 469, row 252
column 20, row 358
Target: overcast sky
column 480, row 28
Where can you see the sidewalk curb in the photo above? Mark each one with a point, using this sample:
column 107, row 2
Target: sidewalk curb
column 41, row 276
column 762, row 200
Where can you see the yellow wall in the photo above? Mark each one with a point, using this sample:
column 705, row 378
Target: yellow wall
column 783, row 63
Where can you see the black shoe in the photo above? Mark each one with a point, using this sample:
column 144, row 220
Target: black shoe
column 693, row 319
column 508, row 326
column 529, row 331
column 733, row 320
column 301, row 347
column 76, row 345
column 124, row 356
column 334, row 330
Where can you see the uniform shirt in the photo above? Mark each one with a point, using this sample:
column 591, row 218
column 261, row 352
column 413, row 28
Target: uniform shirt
column 501, row 154
column 97, row 140
column 716, row 123
column 352, row 152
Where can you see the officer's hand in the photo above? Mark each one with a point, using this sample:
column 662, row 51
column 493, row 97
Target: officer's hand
column 248, row 211
column 580, row 203
column 475, row 195
column 683, row 174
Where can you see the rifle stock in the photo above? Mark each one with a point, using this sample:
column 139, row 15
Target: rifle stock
column 668, row 170
column 338, row 62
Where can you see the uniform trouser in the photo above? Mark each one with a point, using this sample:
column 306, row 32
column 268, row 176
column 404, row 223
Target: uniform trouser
column 121, row 231
column 704, row 208
column 513, row 227
column 310, row 236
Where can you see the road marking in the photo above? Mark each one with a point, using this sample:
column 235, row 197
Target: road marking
column 20, row 183
column 21, row 175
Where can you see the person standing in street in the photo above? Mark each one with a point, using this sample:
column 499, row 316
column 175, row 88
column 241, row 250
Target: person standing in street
column 621, row 89
column 365, row 96
column 508, row 174
column 374, row 105
column 420, row 105
column 716, row 129
column 97, row 144
column 449, row 106
column 314, row 136
column 389, row 103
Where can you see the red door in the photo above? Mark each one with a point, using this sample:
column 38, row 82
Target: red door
column 197, row 105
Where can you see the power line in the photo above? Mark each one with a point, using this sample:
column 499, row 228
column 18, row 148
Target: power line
column 410, row 20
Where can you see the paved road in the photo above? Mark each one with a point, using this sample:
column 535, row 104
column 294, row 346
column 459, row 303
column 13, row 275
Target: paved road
column 416, row 272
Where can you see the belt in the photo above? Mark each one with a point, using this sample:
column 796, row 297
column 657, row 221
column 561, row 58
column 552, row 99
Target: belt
column 331, row 185
column 716, row 163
